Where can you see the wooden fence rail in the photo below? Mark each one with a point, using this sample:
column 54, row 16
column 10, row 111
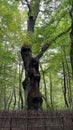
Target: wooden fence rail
column 36, row 120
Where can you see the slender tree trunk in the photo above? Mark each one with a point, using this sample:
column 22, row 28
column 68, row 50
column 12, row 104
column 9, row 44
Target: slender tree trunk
column 71, row 36
column 14, row 88
column 20, row 102
column 4, row 89
column 64, row 86
column 51, row 90
column 45, row 89
column 68, row 79
column 10, row 100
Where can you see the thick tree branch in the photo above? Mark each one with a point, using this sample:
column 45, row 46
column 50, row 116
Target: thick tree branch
column 26, row 3
column 48, row 44
column 29, row 6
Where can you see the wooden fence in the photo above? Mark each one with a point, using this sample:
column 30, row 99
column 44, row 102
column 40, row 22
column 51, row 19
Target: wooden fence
column 36, row 120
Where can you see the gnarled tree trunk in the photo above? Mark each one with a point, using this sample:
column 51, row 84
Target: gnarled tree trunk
column 32, row 79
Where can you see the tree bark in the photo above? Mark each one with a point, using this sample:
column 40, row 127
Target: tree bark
column 32, row 79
